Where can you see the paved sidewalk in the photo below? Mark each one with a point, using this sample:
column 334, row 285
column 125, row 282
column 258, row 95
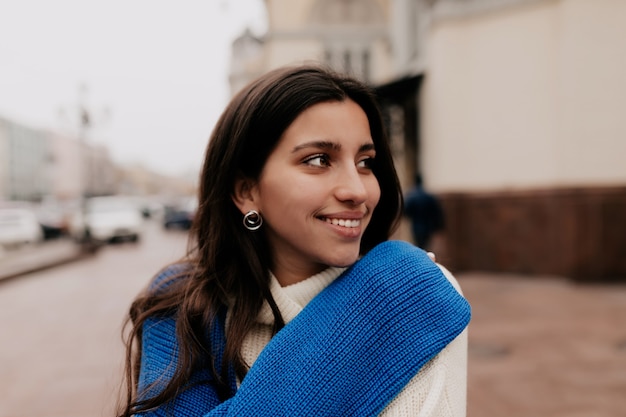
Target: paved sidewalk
column 16, row 262
column 545, row 346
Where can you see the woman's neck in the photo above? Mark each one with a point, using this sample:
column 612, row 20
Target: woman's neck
column 288, row 275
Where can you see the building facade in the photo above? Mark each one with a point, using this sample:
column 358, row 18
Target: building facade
column 37, row 164
column 24, row 162
column 348, row 35
column 520, row 130
column 67, row 181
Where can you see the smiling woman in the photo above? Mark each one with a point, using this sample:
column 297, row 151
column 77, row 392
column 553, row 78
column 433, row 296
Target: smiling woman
column 321, row 170
column 291, row 300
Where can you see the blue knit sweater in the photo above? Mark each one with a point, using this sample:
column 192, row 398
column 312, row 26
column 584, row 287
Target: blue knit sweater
column 349, row 352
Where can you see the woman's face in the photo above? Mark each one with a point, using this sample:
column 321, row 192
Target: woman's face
column 317, row 191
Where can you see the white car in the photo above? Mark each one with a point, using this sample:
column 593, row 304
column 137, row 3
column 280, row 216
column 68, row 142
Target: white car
column 19, row 226
column 108, row 219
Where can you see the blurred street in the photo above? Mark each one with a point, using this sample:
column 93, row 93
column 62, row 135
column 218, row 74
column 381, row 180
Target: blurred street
column 17, row 262
column 61, row 350
column 539, row 346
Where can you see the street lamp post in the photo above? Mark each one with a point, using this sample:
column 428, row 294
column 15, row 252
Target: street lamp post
column 85, row 122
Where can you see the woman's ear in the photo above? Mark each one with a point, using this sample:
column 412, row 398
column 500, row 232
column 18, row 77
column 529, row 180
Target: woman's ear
column 243, row 194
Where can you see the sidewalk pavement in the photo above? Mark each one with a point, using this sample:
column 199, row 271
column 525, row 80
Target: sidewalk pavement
column 21, row 261
column 545, row 346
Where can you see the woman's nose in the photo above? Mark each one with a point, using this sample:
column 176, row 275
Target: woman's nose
column 350, row 186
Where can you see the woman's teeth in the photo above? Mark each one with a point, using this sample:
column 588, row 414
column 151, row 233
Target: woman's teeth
column 344, row 222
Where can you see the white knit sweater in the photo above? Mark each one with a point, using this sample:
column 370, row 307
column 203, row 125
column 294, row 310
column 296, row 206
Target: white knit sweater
column 439, row 388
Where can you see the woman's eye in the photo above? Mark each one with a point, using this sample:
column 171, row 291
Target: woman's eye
column 320, row 160
column 366, row 163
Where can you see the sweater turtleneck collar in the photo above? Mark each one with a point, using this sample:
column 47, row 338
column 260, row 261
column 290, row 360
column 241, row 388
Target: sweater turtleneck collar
column 291, row 299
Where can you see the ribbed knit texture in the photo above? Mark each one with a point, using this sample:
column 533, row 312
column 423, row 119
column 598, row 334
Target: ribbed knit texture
column 439, row 388
column 290, row 301
column 350, row 351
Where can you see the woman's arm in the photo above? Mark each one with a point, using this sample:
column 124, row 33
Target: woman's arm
column 158, row 361
column 440, row 387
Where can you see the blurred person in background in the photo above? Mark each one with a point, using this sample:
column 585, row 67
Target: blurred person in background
column 425, row 213
column 288, row 301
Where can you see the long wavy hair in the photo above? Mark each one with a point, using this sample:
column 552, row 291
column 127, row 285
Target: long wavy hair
column 226, row 265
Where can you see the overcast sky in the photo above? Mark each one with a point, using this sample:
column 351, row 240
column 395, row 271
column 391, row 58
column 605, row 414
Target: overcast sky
column 155, row 71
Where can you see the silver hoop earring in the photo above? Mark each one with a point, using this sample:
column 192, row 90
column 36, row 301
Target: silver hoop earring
column 252, row 220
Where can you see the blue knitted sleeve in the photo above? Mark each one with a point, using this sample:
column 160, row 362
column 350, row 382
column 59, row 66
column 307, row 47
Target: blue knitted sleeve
column 159, row 356
column 358, row 343
column 160, row 350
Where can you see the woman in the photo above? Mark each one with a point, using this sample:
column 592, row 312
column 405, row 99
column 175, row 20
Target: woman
column 291, row 301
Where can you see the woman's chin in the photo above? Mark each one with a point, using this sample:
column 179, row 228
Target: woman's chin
column 343, row 259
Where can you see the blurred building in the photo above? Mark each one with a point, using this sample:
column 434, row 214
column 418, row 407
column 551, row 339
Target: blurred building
column 141, row 181
column 37, row 164
column 78, row 168
column 66, row 178
column 520, row 129
column 57, row 168
column 24, row 162
column 510, row 109
column 246, row 60
column 100, row 174
column 349, row 35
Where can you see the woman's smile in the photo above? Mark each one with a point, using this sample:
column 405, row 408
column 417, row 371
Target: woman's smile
column 350, row 229
column 344, row 223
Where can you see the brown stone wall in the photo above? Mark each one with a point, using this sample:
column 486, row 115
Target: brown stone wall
column 576, row 232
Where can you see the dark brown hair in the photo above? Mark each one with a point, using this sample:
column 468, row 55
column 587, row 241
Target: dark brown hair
column 228, row 265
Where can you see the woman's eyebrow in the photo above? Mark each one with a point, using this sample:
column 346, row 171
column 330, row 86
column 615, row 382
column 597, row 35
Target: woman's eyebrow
column 367, row 147
column 319, row 144
column 324, row 144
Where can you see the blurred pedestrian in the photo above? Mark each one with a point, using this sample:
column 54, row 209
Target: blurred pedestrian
column 425, row 212
column 287, row 302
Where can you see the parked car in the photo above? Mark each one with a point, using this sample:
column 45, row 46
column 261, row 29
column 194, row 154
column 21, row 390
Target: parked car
column 53, row 219
column 181, row 215
column 108, row 219
column 19, row 226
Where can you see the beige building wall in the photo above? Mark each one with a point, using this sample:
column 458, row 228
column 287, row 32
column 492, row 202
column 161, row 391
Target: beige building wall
column 66, row 177
column 526, row 96
column 288, row 51
column 24, row 156
column 77, row 167
column 4, row 160
column 315, row 30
